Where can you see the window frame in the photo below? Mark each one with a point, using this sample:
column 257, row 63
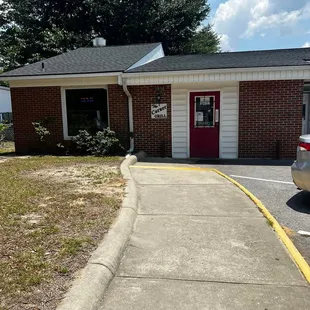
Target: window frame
column 214, row 112
column 64, row 106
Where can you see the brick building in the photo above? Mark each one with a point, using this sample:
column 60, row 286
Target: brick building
column 226, row 105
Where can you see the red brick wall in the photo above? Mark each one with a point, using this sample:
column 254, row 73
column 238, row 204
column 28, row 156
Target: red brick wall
column 118, row 110
column 151, row 135
column 34, row 104
column 270, row 111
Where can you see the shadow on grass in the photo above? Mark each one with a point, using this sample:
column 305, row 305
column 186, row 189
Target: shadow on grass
column 7, row 154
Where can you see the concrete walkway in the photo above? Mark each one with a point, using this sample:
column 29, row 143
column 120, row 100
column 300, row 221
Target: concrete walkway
column 200, row 243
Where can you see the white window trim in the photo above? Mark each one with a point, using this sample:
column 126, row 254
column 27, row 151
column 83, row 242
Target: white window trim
column 64, row 106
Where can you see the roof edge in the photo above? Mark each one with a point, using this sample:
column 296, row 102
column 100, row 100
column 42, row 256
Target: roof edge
column 218, row 70
column 58, row 76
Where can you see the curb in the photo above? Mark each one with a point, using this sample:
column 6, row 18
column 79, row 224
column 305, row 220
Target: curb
column 92, row 282
column 297, row 257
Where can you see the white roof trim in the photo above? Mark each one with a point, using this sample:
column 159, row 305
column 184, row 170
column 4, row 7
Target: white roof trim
column 220, row 75
column 156, row 53
column 258, row 69
column 170, row 77
column 4, row 88
column 58, row 76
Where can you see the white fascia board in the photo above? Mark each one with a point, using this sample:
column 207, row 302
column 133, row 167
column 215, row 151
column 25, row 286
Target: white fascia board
column 4, row 88
column 156, row 53
column 212, row 71
column 58, row 76
column 220, row 75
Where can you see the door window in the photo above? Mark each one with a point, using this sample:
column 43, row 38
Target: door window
column 204, row 111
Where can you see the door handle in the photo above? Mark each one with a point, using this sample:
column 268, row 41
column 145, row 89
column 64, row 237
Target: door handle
column 217, row 115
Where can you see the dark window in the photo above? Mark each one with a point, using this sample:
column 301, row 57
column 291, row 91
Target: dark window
column 307, row 87
column 87, row 109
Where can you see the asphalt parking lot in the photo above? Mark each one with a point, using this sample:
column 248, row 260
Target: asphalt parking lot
column 273, row 185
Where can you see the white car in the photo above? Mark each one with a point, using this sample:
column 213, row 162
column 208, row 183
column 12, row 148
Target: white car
column 301, row 167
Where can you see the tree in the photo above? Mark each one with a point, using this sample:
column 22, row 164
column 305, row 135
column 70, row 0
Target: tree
column 2, row 83
column 203, row 41
column 37, row 29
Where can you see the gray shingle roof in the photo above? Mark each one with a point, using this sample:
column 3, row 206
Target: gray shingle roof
column 87, row 60
column 268, row 58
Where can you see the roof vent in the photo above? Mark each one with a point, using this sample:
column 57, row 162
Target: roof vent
column 98, row 42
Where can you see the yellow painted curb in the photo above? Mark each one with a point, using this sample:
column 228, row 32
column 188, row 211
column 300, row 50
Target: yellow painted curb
column 298, row 258
column 172, row 168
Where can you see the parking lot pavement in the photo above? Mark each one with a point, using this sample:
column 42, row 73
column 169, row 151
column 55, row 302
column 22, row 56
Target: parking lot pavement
column 273, row 185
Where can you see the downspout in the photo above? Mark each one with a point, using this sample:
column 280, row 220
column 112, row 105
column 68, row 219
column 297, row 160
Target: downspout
column 130, row 115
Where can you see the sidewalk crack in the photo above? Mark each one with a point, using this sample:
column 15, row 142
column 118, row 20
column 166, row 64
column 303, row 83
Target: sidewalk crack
column 100, row 264
column 214, row 281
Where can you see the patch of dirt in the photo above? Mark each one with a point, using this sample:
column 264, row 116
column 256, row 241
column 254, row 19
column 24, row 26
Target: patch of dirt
column 32, row 218
column 84, row 178
column 61, row 213
column 289, row 231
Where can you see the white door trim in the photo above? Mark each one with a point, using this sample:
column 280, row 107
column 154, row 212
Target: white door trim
column 188, row 116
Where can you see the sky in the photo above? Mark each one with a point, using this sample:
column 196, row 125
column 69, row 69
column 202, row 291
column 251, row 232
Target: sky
column 261, row 24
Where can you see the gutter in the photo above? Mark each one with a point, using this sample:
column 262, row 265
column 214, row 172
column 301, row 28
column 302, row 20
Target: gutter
column 123, row 82
column 58, row 76
column 214, row 71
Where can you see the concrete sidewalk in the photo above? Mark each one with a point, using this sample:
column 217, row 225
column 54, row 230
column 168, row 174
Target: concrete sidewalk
column 200, row 243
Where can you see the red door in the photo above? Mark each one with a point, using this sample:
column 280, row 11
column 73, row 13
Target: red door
column 204, row 124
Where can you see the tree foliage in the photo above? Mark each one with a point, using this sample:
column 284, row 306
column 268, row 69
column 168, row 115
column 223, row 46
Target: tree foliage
column 2, row 83
column 203, row 41
column 37, row 29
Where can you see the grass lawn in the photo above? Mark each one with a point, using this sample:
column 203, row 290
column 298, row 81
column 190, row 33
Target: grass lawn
column 7, row 147
column 53, row 213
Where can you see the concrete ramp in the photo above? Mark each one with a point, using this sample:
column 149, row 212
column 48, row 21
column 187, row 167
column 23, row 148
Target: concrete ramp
column 200, row 243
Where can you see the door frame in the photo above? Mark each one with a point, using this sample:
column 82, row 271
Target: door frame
column 188, row 117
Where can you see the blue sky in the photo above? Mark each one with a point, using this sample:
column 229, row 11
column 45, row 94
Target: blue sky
column 261, row 24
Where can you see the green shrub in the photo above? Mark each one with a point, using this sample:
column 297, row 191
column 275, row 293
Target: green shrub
column 3, row 127
column 41, row 131
column 103, row 143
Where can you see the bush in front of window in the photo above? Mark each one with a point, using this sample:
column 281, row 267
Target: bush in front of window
column 103, row 143
column 41, row 130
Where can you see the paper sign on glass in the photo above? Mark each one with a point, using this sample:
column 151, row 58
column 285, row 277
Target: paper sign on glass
column 199, row 116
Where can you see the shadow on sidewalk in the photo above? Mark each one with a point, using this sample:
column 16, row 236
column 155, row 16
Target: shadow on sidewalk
column 236, row 162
